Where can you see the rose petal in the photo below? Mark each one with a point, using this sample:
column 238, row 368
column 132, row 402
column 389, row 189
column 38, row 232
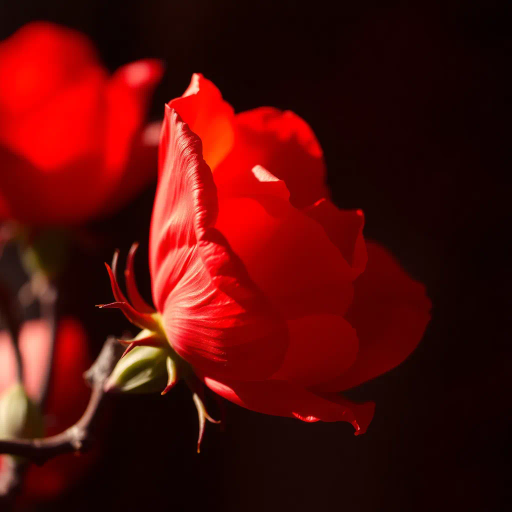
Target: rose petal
column 62, row 130
column 280, row 398
column 321, row 347
column 140, row 171
column 128, row 94
column 37, row 62
column 208, row 116
column 287, row 255
column 390, row 313
column 56, row 157
column 213, row 315
column 65, row 197
column 344, row 229
column 281, row 142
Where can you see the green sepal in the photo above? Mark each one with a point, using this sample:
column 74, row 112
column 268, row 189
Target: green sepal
column 142, row 370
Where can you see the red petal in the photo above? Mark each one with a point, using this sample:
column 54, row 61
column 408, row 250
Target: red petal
column 62, row 130
column 37, row 62
column 141, row 169
column 280, row 398
column 281, row 142
column 390, row 313
column 321, row 347
column 128, row 94
column 54, row 157
column 288, row 256
column 208, row 116
column 67, row 133
column 344, row 229
column 212, row 313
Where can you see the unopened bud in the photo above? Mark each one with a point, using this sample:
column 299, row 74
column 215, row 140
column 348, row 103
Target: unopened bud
column 20, row 417
column 142, row 370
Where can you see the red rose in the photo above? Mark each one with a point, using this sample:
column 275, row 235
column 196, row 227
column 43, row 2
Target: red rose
column 67, row 398
column 73, row 144
column 262, row 284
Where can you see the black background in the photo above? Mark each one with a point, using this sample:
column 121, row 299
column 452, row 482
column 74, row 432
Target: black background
column 407, row 102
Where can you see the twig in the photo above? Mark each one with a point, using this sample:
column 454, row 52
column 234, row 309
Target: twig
column 78, row 437
column 47, row 301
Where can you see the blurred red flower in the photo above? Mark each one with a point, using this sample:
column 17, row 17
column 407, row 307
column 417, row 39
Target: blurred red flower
column 67, row 398
column 264, row 286
column 73, row 144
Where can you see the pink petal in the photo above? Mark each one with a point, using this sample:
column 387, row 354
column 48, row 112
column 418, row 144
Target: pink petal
column 34, row 344
column 213, row 315
column 390, row 313
column 280, row 398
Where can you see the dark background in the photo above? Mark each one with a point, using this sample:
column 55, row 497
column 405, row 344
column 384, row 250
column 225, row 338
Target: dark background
column 407, row 103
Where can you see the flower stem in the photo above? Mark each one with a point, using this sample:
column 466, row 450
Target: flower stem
column 47, row 303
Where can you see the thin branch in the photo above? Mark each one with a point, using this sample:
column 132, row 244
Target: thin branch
column 48, row 301
column 78, row 437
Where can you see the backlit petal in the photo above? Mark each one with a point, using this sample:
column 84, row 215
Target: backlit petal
column 212, row 313
column 208, row 116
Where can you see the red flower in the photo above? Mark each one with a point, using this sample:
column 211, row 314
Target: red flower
column 262, row 284
column 72, row 140
column 67, row 398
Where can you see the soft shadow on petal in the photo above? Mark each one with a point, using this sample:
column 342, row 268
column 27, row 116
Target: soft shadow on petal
column 208, row 116
column 287, row 255
column 213, row 314
column 345, row 230
column 321, row 346
column 281, row 142
column 280, row 398
column 390, row 313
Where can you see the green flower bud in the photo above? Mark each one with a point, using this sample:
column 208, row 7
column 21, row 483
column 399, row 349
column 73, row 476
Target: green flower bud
column 20, row 417
column 143, row 370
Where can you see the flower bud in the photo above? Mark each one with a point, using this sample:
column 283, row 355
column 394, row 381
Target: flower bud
column 20, row 417
column 143, row 370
